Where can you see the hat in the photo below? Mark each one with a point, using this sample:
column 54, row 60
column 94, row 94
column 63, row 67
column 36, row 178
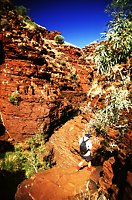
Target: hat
column 88, row 135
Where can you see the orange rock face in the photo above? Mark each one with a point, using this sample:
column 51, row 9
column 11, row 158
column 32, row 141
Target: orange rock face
column 32, row 71
column 42, row 86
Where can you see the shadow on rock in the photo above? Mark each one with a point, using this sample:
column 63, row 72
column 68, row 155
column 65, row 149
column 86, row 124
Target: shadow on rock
column 2, row 129
column 9, row 182
column 5, row 146
column 2, row 53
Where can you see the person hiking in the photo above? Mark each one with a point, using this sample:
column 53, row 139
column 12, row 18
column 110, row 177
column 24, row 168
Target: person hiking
column 85, row 147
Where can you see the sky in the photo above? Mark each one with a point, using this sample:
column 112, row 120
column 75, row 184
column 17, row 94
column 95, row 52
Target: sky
column 80, row 22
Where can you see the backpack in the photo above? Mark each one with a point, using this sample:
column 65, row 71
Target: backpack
column 83, row 148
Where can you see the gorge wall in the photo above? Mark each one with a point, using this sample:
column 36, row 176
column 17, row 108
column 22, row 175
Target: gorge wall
column 43, row 86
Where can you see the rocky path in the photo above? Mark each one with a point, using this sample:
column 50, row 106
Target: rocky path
column 62, row 181
column 65, row 141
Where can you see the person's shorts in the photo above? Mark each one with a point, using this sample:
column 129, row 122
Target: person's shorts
column 87, row 158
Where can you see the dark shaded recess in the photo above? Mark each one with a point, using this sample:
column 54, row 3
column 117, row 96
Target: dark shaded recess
column 44, row 51
column 20, row 73
column 2, row 129
column 120, row 171
column 9, row 182
column 90, row 79
column 51, row 54
column 19, row 56
column 12, row 49
column 61, row 116
column 45, row 76
column 5, row 146
column 30, row 75
column 39, row 61
column 77, row 53
column 50, row 159
column 120, row 177
column 2, row 53
column 67, row 114
column 100, row 156
column 26, row 48
column 66, row 87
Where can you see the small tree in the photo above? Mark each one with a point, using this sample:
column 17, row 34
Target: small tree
column 14, row 98
column 118, row 45
column 59, row 39
column 21, row 10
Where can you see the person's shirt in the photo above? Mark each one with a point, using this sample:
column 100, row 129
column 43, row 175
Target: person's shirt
column 88, row 144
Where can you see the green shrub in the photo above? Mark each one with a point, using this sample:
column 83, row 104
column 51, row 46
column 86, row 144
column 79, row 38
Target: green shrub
column 59, row 39
column 14, row 98
column 30, row 160
column 21, row 10
column 30, row 24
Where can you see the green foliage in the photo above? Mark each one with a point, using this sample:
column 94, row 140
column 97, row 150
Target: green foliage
column 14, row 98
column 21, row 10
column 30, row 24
column 117, row 48
column 110, row 115
column 30, row 160
column 59, row 39
column 120, row 6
